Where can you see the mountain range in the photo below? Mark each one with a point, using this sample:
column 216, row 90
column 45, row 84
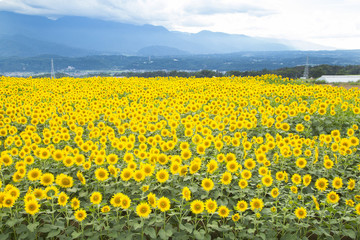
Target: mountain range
column 28, row 35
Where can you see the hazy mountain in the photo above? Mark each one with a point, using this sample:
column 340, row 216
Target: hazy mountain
column 19, row 45
column 86, row 35
column 161, row 51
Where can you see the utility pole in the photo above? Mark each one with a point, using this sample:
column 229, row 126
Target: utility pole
column 306, row 70
column 52, row 69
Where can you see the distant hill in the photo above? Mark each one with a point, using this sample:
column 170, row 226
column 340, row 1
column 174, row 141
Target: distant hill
column 161, row 51
column 85, row 35
column 19, row 45
column 244, row 61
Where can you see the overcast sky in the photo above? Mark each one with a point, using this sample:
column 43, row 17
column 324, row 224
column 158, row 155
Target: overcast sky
column 333, row 23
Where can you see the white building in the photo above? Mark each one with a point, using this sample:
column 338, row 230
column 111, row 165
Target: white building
column 340, row 78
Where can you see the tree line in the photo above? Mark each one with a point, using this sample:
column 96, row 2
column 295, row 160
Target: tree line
column 290, row 72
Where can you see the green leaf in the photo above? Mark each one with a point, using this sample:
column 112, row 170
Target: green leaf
column 4, row 236
column 53, row 233
column 163, row 234
column 151, row 232
column 32, row 226
column 188, row 227
column 24, row 235
column 76, row 234
column 45, row 229
column 263, row 236
column 198, row 235
column 11, row 222
column 169, row 230
column 138, row 225
column 350, row 233
column 289, row 237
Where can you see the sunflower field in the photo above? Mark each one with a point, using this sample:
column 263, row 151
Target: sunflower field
column 260, row 157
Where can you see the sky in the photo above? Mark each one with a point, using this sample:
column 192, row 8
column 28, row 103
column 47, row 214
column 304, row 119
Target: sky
column 334, row 24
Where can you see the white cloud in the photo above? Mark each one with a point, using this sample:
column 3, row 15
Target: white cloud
column 328, row 22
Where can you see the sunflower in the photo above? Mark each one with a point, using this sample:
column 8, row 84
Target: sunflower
column 301, row 162
column 64, row 181
column 125, row 202
column 267, row 180
column 235, row 217
column 39, row 193
column 75, row 203
column 332, row 197
column 152, row 200
column 223, row 211
column 68, row 161
column 6, row 160
column 243, row 183
column 246, row 174
column 232, row 166
column 51, row 191
column 186, row 154
column 162, row 159
column 274, row 192
column 307, row 180
column 162, row 176
column 145, row 188
column 47, row 179
column 226, row 178
column 101, row 174
column 256, row 204
column 96, row 198
column 207, row 184
column 280, row 176
column 8, row 201
column 58, row 155
column 62, row 199
column 81, row 178
column 210, row 205
column 186, row 193
column 241, row 206
column 14, row 192
column 197, row 206
column 87, row 165
column 112, row 159
column 200, row 149
column 80, row 215
column 116, row 199
column 148, row 169
column 263, row 171
column 183, row 170
column 294, row 189
column 296, row 179
column 300, row 213
column 321, row 184
column 34, row 174
column 357, row 209
column 143, row 210
column 212, row 166
column 105, row 209
column 337, row 183
column 194, row 167
column 328, row 164
column 163, row 204
column 32, row 207
column 351, row 184
column 126, row 174
column 350, row 202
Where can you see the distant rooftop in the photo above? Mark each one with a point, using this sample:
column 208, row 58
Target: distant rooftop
column 340, row 78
